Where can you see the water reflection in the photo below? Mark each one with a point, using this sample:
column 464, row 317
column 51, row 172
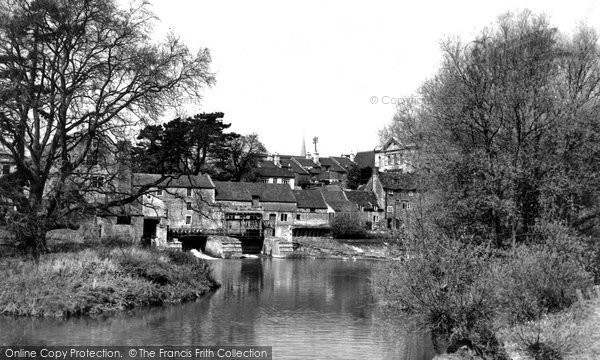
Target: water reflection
column 303, row 308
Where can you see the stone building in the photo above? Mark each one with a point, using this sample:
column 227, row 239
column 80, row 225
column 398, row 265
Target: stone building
column 313, row 215
column 396, row 193
column 274, row 204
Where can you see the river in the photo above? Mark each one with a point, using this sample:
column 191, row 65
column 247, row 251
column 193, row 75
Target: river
column 320, row 309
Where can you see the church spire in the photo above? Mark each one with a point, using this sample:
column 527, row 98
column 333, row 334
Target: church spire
column 303, row 149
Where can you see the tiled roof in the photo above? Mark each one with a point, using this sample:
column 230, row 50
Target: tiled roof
column 267, row 164
column 365, row 159
column 338, row 201
column 201, row 181
column 274, row 172
column 331, row 164
column 364, row 199
column 398, row 180
column 306, row 162
column 310, row 199
column 243, row 191
column 329, row 175
column 344, row 161
column 294, row 166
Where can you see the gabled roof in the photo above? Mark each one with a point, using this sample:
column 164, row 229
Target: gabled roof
column 344, row 162
column 306, row 162
column 329, row 175
column 398, row 180
column 275, row 172
column 310, row 199
column 244, row 191
column 331, row 164
column 338, row 201
column 267, row 164
column 294, row 166
column 365, row 199
column 365, row 159
column 201, row 181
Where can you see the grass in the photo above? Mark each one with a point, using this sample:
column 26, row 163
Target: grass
column 100, row 279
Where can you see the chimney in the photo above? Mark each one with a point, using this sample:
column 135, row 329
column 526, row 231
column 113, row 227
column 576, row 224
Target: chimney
column 374, row 178
column 276, row 159
column 315, row 157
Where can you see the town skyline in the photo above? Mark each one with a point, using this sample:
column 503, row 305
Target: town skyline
column 284, row 70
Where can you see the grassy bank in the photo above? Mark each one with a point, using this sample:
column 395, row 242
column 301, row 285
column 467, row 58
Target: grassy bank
column 100, row 279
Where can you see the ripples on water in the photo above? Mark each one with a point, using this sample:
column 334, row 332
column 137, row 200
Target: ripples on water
column 321, row 309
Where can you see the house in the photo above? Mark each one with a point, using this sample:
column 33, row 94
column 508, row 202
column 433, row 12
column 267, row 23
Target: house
column 178, row 207
column 312, row 214
column 394, row 156
column 396, row 192
column 275, row 175
column 273, row 204
column 7, row 164
column 371, row 214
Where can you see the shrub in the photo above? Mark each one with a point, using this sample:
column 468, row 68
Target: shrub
column 447, row 284
column 348, row 226
column 552, row 337
column 535, row 280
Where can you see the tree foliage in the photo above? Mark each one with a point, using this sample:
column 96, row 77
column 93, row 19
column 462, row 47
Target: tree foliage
column 75, row 74
column 508, row 129
column 198, row 144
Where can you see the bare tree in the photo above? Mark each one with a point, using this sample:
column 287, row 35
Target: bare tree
column 75, row 77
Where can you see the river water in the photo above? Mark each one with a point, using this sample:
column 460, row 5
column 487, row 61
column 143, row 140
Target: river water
column 319, row 309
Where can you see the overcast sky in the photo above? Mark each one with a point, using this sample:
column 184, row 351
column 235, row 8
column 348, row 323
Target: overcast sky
column 288, row 68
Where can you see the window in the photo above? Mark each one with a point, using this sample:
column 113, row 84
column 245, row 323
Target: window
column 390, row 192
column 283, row 217
column 188, row 220
column 92, row 157
column 406, row 205
column 123, row 220
column 312, row 210
column 97, row 181
column 159, row 192
column 255, row 201
column 286, row 181
column 5, row 169
column 390, row 209
column 375, row 218
column 188, row 205
column 297, row 216
column 272, row 217
column 264, row 180
column 189, row 192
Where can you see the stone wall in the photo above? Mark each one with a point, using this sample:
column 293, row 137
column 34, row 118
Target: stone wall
column 132, row 232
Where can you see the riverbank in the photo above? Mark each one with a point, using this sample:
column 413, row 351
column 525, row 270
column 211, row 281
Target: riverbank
column 575, row 332
column 100, row 279
column 345, row 249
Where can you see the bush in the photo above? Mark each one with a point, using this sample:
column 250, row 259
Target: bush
column 348, row 226
column 464, row 292
column 552, row 337
column 447, row 284
column 535, row 280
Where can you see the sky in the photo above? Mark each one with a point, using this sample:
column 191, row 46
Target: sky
column 289, row 70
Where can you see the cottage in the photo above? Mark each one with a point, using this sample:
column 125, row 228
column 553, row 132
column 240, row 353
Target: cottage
column 313, row 214
column 274, row 204
column 370, row 213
